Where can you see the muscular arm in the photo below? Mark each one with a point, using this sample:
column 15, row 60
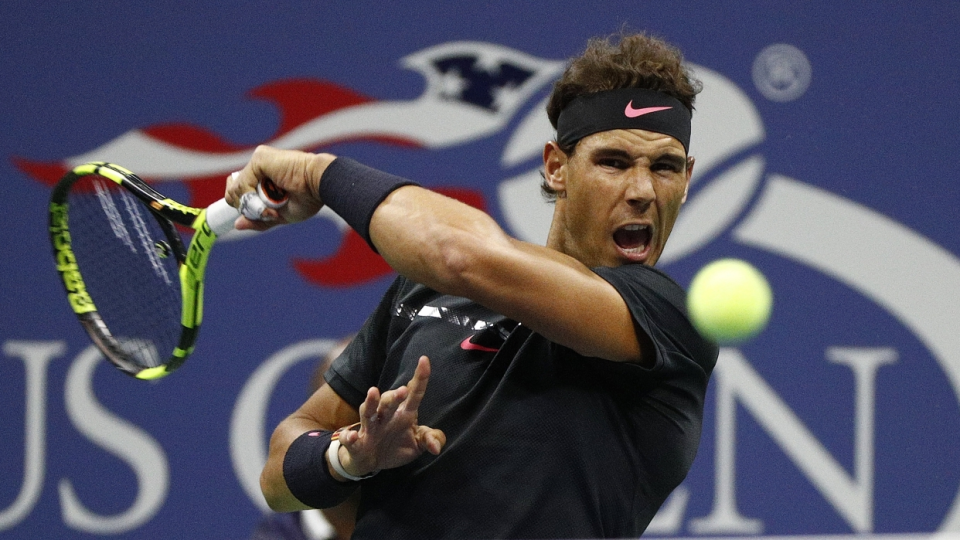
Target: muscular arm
column 456, row 249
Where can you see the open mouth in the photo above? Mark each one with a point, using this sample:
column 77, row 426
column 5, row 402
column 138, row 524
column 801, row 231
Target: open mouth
column 633, row 238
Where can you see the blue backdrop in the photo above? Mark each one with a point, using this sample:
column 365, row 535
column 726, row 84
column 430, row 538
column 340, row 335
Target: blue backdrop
column 827, row 144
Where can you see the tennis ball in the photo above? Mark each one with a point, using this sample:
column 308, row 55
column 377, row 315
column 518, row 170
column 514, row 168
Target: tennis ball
column 729, row 301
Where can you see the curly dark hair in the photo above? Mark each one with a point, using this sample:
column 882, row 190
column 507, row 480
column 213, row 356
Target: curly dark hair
column 621, row 61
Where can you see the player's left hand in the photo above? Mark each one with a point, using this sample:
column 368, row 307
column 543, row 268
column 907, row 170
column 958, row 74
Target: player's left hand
column 389, row 435
column 298, row 173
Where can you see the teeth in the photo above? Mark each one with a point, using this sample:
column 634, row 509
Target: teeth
column 633, row 238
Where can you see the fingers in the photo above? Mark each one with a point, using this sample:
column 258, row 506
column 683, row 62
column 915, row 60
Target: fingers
column 368, row 409
column 418, row 384
column 390, row 401
column 244, row 224
column 269, row 219
column 389, row 434
column 379, row 408
column 430, row 439
column 296, row 172
column 238, row 183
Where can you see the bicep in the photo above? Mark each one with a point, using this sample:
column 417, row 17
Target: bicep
column 566, row 302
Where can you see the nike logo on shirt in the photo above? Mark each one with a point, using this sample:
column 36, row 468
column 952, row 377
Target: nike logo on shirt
column 468, row 345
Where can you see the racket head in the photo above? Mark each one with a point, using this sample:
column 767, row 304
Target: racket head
column 132, row 284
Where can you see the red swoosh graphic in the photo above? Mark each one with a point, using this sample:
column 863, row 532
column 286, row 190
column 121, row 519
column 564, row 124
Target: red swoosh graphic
column 630, row 112
column 302, row 100
column 468, row 345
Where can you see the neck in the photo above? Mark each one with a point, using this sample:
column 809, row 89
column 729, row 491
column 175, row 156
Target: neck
column 556, row 239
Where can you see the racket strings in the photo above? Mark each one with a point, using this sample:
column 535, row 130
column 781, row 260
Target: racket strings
column 125, row 260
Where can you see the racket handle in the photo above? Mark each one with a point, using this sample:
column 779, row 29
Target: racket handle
column 220, row 217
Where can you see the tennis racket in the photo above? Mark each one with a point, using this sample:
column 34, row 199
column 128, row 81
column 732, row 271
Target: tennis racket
column 129, row 278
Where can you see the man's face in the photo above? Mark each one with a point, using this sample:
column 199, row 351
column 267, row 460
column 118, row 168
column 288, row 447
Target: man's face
column 621, row 191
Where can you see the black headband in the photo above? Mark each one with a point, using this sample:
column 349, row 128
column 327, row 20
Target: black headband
column 624, row 108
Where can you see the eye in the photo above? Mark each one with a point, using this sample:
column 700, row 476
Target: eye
column 613, row 162
column 666, row 167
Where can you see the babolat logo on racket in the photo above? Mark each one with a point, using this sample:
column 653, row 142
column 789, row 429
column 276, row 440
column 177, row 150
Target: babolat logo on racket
column 77, row 294
column 200, row 247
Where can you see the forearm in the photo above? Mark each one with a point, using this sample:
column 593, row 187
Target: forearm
column 435, row 240
column 325, row 410
column 425, row 236
column 306, row 476
column 272, row 483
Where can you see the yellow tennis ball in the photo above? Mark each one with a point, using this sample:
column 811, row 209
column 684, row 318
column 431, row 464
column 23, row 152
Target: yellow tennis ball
column 729, row 301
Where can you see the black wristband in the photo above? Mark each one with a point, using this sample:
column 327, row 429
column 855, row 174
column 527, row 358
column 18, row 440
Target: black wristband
column 307, row 475
column 354, row 191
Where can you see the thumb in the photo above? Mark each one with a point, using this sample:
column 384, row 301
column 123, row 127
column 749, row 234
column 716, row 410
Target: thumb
column 430, row 439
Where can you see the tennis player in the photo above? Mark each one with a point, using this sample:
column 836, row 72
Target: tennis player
column 566, row 384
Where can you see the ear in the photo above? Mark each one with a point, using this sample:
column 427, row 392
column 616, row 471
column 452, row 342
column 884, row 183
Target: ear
column 686, row 189
column 554, row 166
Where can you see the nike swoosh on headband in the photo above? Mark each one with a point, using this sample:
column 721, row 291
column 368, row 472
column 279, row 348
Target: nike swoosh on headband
column 630, row 112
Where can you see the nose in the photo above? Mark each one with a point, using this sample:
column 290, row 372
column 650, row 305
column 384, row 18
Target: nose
column 639, row 191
